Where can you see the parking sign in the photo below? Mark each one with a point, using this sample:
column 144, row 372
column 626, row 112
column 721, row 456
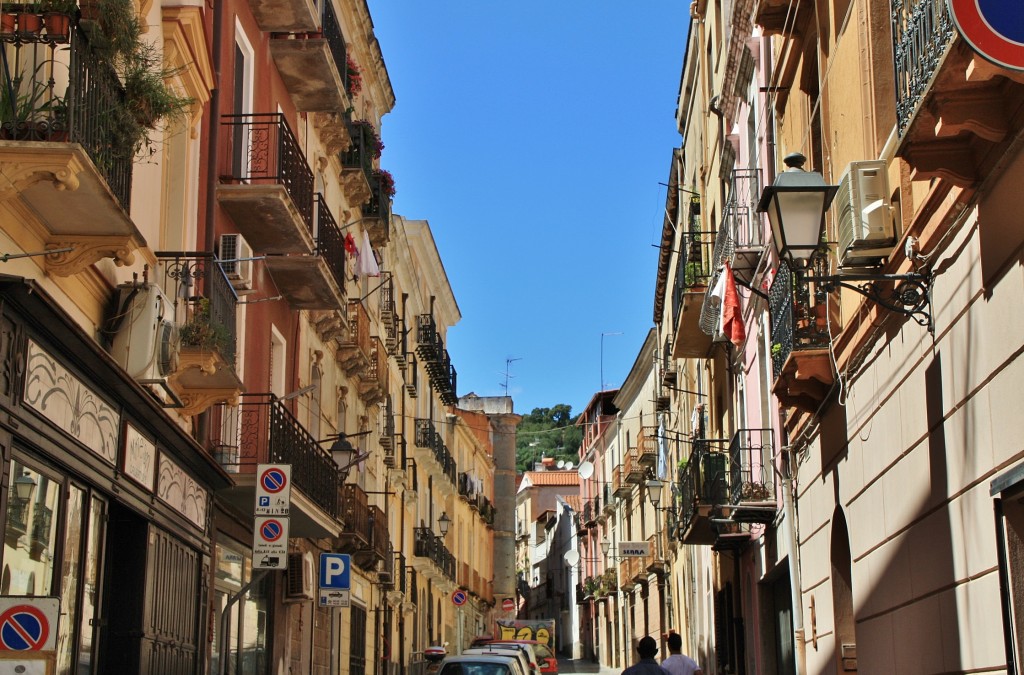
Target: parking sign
column 334, row 571
column 273, row 489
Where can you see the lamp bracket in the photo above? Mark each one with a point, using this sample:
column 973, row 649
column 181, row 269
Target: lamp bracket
column 908, row 294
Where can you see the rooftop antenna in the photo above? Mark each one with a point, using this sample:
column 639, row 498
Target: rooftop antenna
column 508, row 363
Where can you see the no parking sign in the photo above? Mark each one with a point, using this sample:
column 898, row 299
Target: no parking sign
column 28, row 624
column 994, row 28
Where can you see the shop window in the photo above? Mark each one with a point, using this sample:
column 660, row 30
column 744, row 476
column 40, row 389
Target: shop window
column 248, row 617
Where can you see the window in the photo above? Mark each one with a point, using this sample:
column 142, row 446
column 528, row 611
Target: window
column 277, row 362
column 248, row 623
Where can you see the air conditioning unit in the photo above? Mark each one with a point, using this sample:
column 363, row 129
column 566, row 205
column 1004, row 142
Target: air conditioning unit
column 301, row 577
column 145, row 336
column 864, row 213
column 383, row 572
column 235, row 254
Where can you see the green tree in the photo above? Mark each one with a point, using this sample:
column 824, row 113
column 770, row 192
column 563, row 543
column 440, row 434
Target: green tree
column 547, row 432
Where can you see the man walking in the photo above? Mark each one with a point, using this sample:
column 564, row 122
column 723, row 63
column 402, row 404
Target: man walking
column 678, row 663
column 646, row 648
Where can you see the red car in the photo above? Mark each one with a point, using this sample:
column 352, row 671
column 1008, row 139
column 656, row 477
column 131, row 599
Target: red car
column 547, row 661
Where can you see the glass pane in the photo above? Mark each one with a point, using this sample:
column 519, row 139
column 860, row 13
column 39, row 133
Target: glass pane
column 91, row 584
column 69, row 579
column 29, row 533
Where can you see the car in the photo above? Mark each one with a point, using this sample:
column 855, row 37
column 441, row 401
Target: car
column 522, row 652
column 545, row 657
column 481, row 664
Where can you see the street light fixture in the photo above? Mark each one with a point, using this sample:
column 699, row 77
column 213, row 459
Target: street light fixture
column 345, row 456
column 24, row 486
column 796, row 204
column 444, row 522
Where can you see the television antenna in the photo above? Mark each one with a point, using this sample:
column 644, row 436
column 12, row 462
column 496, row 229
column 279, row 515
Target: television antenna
column 508, row 363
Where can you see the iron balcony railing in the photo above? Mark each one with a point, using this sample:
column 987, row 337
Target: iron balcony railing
column 750, row 466
column 428, row 438
column 398, row 572
column 428, row 340
column 267, row 432
column 360, row 152
column 430, row 546
column 356, row 515
column 922, row 31
column 90, row 109
column 205, row 302
column 335, row 41
column 467, row 487
column 265, row 151
column 795, row 309
column 379, row 205
column 42, row 518
column 17, row 516
column 330, row 242
column 703, row 478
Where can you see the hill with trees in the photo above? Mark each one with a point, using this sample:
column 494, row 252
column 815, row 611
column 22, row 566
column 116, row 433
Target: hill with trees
column 548, row 432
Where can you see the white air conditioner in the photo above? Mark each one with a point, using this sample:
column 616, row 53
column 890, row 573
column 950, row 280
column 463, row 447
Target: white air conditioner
column 235, row 257
column 864, row 214
column 301, row 577
column 146, row 337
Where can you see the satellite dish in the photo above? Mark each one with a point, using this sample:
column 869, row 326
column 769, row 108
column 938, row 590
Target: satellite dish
column 561, row 464
column 586, row 470
column 571, row 557
column 568, row 466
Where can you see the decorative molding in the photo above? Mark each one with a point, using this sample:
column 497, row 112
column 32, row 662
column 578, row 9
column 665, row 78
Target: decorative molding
column 59, row 396
column 139, row 458
column 88, row 250
column 356, row 186
column 21, row 168
column 181, row 492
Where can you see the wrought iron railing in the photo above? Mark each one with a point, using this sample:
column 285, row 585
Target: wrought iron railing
column 430, row 546
column 355, row 513
column 795, row 309
column 330, row 242
column 703, row 478
column 360, row 152
column 205, row 302
column 17, row 515
column 267, row 432
column 379, row 205
column 750, row 466
column 428, row 438
column 42, row 519
column 428, row 340
column 398, row 572
column 90, row 109
column 922, row 31
column 265, row 151
column 335, row 41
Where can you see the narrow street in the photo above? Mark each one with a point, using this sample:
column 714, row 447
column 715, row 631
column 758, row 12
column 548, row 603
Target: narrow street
column 584, row 666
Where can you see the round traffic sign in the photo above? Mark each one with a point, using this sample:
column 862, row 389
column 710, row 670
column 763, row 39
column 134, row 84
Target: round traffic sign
column 994, row 28
column 508, row 604
column 273, row 480
column 271, row 530
column 459, row 598
column 23, row 628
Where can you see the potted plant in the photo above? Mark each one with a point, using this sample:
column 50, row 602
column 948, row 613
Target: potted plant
column 353, row 77
column 202, row 333
column 57, row 16
column 369, row 134
column 386, row 182
column 30, row 110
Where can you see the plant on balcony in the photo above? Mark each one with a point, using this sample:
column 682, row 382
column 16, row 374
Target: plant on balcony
column 115, row 30
column 22, row 107
column 386, row 182
column 201, row 332
column 354, row 76
column 369, row 132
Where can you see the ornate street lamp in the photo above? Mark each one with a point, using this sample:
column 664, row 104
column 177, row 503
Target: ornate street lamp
column 444, row 522
column 24, row 486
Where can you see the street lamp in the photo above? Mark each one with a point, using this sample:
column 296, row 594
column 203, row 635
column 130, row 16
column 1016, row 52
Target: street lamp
column 444, row 522
column 654, row 487
column 24, row 486
column 796, row 204
column 345, row 456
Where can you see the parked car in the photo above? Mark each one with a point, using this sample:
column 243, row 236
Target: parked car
column 481, row 664
column 545, row 658
column 524, row 653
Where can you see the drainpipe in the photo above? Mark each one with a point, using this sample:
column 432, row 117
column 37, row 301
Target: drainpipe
column 789, row 508
column 616, row 538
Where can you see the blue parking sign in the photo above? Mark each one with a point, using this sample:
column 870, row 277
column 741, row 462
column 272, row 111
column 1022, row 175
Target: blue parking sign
column 334, row 571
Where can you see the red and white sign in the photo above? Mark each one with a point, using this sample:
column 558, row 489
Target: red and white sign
column 28, row 624
column 273, row 489
column 508, row 604
column 459, row 598
column 994, row 28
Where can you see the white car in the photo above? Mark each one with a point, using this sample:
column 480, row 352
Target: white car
column 524, row 653
column 481, row 664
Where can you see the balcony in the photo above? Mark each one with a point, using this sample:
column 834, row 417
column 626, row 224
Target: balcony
column 432, row 454
column 388, row 314
column 268, row 191
column 433, row 355
column 647, row 446
column 752, row 488
column 377, row 211
column 204, row 310
column 801, row 360
column 956, row 112
column 591, row 509
column 399, row 587
column 285, row 16
column 355, row 349
column 467, row 488
column 431, row 558
column 608, row 502
column 654, row 563
column 364, row 535
column 633, row 471
column 373, row 384
column 387, row 434
column 313, row 66
column 693, row 273
column 68, row 167
column 17, row 520
column 314, row 281
column 704, row 486
column 261, row 430
column 42, row 521
column 620, row 488
column 357, row 162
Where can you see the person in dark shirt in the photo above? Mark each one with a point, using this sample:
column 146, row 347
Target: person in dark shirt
column 647, row 648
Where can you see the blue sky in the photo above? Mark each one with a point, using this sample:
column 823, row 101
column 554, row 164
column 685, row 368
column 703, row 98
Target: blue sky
column 533, row 136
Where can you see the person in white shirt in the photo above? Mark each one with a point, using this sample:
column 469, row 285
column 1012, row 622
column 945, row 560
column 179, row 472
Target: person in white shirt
column 678, row 663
